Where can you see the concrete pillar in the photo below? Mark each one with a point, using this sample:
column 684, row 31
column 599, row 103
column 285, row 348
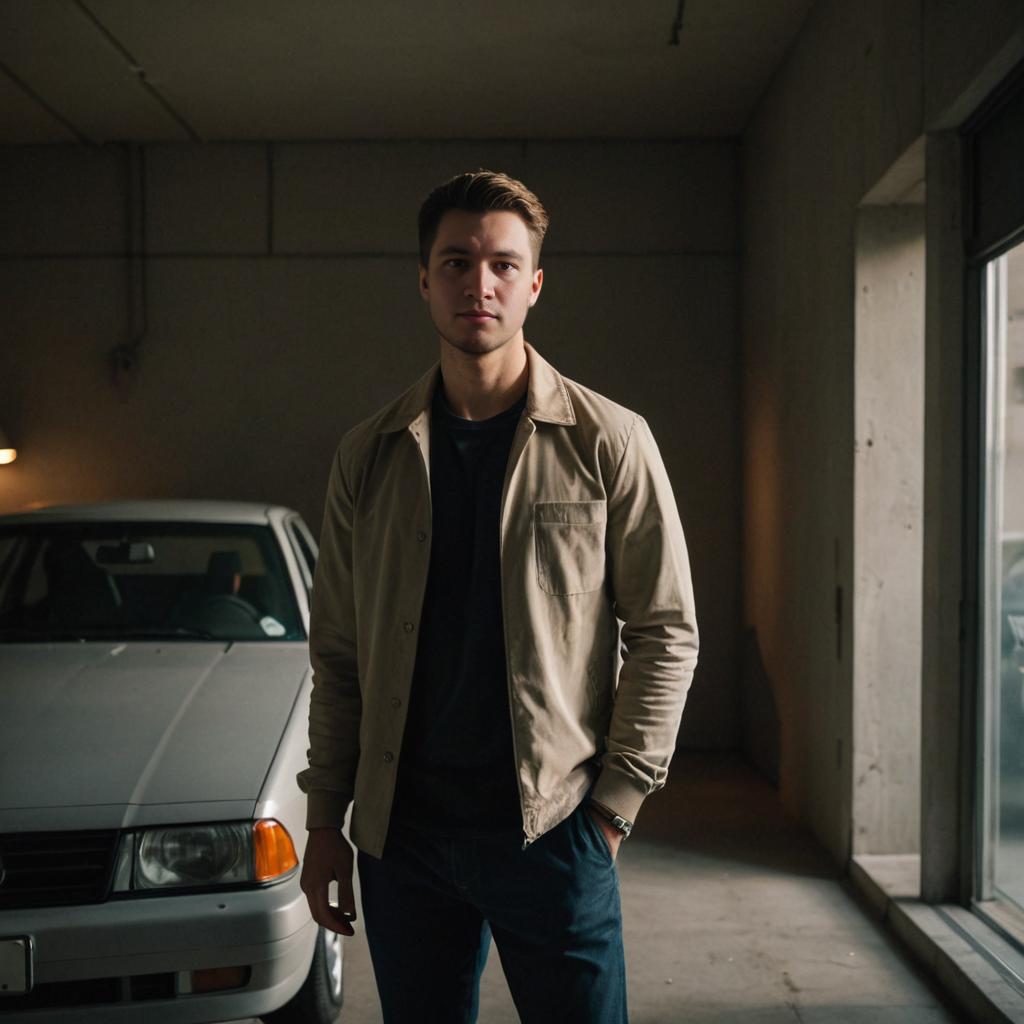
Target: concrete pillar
column 888, row 453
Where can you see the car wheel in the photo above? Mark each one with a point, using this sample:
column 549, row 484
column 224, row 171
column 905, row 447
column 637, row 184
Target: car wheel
column 320, row 998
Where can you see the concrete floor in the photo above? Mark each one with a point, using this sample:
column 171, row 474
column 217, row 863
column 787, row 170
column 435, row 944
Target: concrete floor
column 732, row 915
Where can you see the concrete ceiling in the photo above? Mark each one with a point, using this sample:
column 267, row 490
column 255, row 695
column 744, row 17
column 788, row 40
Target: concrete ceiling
column 103, row 70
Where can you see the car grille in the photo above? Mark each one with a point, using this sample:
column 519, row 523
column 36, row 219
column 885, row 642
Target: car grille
column 45, row 869
column 91, row 992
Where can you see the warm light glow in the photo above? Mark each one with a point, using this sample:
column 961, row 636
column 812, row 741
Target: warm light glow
column 275, row 852
column 8, row 453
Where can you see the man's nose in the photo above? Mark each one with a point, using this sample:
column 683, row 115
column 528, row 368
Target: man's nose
column 480, row 282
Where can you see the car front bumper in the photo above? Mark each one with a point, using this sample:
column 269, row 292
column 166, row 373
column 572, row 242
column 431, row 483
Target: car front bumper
column 132, row 959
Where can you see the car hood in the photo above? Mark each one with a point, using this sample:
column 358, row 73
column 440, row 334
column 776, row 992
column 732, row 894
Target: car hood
column 127, row 725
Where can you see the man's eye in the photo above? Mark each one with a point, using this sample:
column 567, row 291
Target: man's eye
column 506, row 266
column 457, row 263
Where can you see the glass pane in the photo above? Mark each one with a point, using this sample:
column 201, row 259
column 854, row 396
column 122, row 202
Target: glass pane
column 69, row 581
column 1002, row 738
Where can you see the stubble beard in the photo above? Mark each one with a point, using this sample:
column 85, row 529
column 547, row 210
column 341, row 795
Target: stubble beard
column 475, row 346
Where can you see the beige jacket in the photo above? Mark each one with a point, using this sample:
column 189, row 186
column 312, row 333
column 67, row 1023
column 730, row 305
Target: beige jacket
column 589, row 535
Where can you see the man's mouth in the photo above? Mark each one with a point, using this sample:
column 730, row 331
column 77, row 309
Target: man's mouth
column 478, row 315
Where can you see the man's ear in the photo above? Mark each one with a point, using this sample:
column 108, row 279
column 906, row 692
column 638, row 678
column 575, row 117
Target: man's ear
column 535, row 285
column 424, row 287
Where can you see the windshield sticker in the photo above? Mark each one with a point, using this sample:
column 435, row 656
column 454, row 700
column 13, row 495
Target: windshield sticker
column 271, row 626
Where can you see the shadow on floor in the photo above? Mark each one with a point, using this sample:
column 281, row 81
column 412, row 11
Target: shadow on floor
column 716, row 806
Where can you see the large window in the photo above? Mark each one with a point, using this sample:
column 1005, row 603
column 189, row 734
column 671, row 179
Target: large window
column 1001, row 822
column 994, row 244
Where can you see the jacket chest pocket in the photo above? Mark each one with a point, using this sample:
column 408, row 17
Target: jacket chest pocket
column 569, row 538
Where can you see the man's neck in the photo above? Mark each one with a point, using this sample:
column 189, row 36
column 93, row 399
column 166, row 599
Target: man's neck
column 479, row 387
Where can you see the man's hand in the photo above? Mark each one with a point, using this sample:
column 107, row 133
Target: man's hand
column 329, row 858
column 613, row 837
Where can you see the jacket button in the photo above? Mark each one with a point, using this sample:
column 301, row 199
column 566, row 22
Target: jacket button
column 395, row 702
column 421, row 535
column 388, row 757
column 408, row 627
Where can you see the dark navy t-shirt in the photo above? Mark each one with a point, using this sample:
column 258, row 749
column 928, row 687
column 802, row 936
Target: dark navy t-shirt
column 457, row 769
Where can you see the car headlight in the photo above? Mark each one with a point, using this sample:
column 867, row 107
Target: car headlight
column 204, row 856
column 195, row 855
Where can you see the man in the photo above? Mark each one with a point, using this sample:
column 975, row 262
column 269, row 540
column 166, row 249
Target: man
column 483, row 535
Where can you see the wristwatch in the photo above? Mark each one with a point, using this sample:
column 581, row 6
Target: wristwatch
column 616, row 820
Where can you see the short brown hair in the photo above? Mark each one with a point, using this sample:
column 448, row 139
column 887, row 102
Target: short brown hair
column 481, row 191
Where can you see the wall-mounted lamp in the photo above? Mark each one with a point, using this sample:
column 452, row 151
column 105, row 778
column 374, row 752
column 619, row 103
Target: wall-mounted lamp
column 7, row 453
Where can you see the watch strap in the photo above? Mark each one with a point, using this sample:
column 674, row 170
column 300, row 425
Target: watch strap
column 624, row 825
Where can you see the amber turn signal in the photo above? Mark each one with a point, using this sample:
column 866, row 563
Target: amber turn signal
column 275, row 852
column 216, row 979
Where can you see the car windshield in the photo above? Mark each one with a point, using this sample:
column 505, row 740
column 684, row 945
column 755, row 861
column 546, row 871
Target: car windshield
column 144, row 580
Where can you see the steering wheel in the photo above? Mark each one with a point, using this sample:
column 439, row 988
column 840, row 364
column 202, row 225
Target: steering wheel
column 225, row 612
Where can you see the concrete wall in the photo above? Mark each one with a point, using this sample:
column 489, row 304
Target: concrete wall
column 862, row 83
column 282, row 309
column 888, row 493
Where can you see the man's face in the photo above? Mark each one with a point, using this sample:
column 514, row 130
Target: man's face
column 480, row 283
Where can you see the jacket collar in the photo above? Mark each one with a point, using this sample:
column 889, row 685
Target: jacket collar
column 546, row 398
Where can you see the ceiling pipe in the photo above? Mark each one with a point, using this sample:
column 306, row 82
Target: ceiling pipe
column 138, row 70
column 677, row 25
column 34, row 96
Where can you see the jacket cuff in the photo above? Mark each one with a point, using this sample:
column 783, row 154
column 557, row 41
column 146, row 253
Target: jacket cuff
column 618, row 793
column 325, row 809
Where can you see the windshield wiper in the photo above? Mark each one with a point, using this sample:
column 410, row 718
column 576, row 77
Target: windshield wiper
column 151, row 633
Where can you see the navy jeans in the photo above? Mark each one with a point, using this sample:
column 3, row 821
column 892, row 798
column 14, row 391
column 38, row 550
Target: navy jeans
column 431, row 905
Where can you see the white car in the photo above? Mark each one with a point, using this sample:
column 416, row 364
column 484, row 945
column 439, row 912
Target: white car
column 154, row 691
